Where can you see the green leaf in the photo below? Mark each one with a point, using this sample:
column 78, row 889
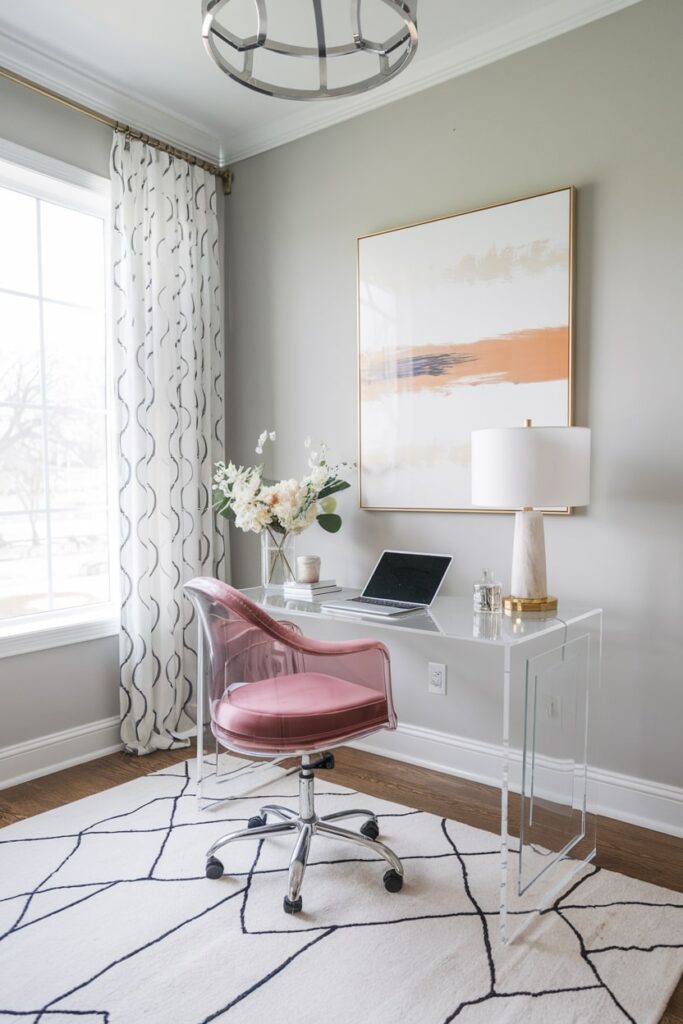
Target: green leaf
column 330, row 521
column 332, row 488
column 224, row 508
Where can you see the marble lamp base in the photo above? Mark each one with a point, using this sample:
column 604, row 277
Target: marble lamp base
column 529, row 581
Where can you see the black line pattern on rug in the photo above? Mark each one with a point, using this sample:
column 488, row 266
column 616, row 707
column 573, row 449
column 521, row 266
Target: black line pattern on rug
column 51, row 1008
column 585, row 955
column 621, row 903
column 171, row 821
column 268, row 977
column 91, row 830
column 66, row 906
column 485, row 929
column 555, row 908
column 182, row 795
column 139, row 949
column 104, row 1014
column 36, row 889
column 447, row 915
column 31, row 894
column 103, row 884
column 635, row 949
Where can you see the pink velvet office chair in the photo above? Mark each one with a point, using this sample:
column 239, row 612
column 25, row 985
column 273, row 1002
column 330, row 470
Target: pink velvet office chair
column 273, row 692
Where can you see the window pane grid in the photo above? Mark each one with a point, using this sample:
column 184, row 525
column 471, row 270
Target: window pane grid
column 94, row 409
column 55, row 529
column 41, row 332
column 96, row 306
column 95, row 507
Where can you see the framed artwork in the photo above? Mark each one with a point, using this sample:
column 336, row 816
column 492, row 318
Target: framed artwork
column 464, row 322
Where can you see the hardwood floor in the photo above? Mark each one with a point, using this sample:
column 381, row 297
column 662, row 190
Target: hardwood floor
column 637, row 852
column 43, row 794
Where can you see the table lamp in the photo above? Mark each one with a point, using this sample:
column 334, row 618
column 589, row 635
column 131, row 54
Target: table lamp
column 529, row 468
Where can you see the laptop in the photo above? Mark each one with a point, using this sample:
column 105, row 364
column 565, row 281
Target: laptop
column 401, row 582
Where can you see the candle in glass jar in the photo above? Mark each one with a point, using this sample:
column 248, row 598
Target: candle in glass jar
column 487, row 593
column 308, row 569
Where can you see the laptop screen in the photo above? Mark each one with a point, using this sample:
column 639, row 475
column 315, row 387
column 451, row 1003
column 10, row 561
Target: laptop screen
column 407, row 576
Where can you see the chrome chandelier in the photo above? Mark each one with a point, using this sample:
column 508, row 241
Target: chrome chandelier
column 269, row 65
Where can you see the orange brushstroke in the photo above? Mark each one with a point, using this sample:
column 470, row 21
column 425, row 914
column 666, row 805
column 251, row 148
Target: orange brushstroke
column 522, row 357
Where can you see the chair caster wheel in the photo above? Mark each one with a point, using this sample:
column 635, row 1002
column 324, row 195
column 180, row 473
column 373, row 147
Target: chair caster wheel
column 292, row 906
column 393, row 882
column 214, row 868
column 256, row 822
column 370, row 829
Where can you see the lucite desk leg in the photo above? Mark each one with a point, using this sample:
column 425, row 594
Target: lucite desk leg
column 504, row 789
column 550, row 837
column 200, row 710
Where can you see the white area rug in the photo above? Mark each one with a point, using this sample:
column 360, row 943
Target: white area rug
column 106, row 918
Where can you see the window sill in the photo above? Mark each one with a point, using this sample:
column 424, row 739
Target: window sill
column 75, row 627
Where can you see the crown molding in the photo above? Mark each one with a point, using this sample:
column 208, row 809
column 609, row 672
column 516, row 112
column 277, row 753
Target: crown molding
column 108, row 99
column 553, row 19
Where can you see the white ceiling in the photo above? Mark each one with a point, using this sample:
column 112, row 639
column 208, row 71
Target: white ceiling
column 144, row 63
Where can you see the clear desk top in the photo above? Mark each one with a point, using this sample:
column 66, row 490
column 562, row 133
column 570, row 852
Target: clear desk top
column 450, row 617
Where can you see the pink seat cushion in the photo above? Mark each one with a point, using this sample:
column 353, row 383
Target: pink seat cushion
column 297, row 712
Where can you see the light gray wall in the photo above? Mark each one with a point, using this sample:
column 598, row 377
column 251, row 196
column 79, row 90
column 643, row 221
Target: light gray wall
column 53, row 690
column 36, row 122
column 599, row 108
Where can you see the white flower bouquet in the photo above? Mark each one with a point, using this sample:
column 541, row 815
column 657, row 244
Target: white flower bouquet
column 282, row 507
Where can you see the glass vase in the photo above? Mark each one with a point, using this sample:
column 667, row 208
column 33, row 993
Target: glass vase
column 278, row 563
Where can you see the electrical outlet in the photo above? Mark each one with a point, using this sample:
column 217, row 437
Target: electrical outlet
column 553, row 709
column 436, row 678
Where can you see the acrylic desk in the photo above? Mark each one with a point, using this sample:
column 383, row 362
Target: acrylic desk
column 544, row 674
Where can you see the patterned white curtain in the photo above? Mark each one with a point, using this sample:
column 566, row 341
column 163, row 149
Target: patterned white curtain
column 168, row 373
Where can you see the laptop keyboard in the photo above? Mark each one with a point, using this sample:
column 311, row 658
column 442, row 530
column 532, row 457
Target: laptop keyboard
column 386, row 604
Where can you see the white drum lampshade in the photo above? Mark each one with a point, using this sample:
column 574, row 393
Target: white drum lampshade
column 529, row 468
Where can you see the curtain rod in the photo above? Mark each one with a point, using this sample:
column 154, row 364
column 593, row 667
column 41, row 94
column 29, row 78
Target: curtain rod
column 224, row 173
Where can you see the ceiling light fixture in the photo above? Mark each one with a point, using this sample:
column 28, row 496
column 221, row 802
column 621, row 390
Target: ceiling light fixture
column 351, row 65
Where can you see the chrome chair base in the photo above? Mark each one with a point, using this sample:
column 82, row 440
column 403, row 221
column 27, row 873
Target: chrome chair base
column 307, row 824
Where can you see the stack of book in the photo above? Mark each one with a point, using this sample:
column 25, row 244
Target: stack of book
column 309, row 591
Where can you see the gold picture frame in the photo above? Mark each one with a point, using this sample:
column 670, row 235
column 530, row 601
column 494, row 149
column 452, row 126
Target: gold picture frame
column 532, row 248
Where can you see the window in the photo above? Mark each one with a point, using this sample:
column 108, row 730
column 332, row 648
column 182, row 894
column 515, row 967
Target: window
column 57, row 550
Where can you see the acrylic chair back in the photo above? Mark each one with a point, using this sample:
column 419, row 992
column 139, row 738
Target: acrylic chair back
column 239, row 644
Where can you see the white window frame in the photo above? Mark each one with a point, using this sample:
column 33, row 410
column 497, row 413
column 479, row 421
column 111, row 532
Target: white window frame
column 55, row 181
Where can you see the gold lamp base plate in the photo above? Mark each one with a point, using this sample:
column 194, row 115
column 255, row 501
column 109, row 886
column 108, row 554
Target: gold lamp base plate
column 514, row 605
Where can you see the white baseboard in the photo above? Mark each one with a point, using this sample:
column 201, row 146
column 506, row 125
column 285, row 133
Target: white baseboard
column 652, row 805
column 47, row 754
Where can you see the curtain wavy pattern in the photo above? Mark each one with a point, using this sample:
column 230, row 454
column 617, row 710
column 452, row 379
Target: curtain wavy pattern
column 168, row 373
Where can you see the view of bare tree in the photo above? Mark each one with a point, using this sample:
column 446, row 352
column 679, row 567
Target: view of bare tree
column 54, row 546
column 21, row 442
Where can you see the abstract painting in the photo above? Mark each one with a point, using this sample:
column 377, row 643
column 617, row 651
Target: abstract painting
column 464, row 322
